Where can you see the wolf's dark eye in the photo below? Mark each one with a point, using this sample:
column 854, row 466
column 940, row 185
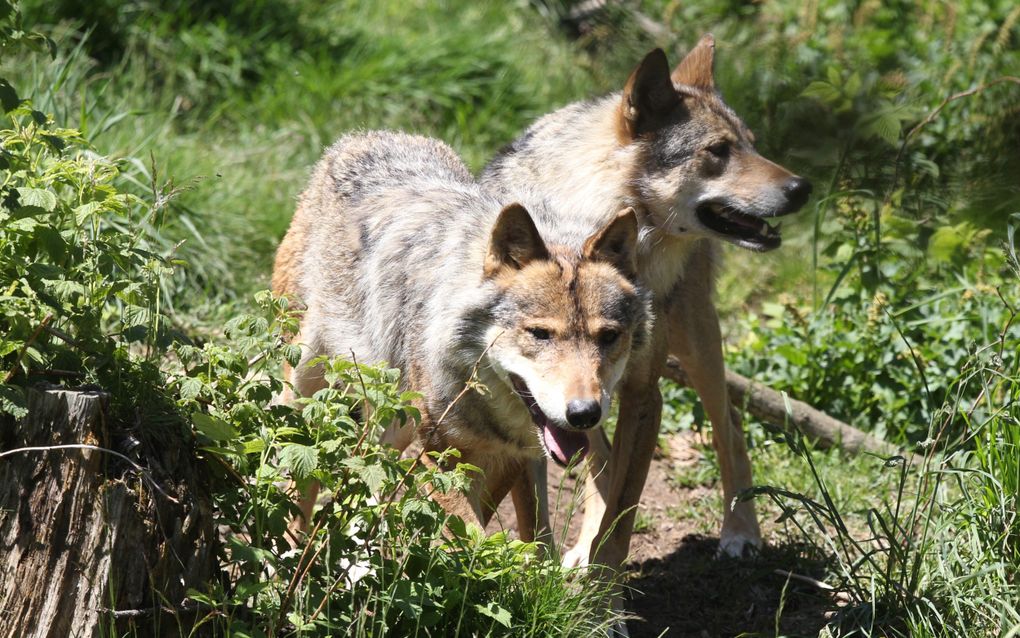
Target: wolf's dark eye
column 608, row 337
column 540, row 333
column 720, row 150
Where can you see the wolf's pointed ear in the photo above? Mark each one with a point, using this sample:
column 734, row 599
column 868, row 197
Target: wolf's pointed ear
column 616, row 243
column 515, row 241
column 697, row 69
column 649, row 95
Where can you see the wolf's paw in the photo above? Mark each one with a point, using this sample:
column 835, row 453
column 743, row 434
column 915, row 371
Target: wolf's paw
column 738, row 545
column 619, row 630
column 576, row 556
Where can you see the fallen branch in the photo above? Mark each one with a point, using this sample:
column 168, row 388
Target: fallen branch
column 770, row 406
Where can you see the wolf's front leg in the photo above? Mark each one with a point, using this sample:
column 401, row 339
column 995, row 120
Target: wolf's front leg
column 637, row 431
column 695, row 339
column 596, row 486
column 471, row 506
column 631, row 455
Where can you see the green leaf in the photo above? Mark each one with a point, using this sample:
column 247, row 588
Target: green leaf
column 823, row 92
column 946, row 243
column 301, row 460
column 212, row 427
column 9, row 99
column 12, row 401
column 65, row 289
column 254, row 446
column 373, row 475
column 57, row 143
column 792, row 354
column 298, row 621
column 86, row 211
column 38, row 197
column 40, row 270
column 292, row 354
column 497, row 613
column 853, row 84
column 52, row 242
column 24, row 225
column 190, row 388
column 885, row 126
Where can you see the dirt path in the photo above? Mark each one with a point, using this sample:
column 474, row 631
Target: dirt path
column 678, row 586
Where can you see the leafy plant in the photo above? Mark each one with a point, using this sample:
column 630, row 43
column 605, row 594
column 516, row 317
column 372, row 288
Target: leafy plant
column 77, row 292
column 380, row 557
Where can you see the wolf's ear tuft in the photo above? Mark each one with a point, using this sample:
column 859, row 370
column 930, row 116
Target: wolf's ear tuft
column 616, row 243
column 649, row 95
column 697, row 69
column 515, row 241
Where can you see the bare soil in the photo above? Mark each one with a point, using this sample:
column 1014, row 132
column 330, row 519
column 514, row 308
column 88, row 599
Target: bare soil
column 679, row 588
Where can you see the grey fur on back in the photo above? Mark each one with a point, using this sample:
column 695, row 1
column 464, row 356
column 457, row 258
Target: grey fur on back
column 399, row 229
column 553, row 156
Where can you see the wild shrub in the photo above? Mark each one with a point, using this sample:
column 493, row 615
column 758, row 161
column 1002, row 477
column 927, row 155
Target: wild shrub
column 380, row 558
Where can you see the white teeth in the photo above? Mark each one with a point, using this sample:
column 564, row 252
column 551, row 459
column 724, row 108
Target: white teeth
column 770, row 231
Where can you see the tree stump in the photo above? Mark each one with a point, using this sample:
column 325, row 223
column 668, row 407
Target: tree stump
column 87, row 545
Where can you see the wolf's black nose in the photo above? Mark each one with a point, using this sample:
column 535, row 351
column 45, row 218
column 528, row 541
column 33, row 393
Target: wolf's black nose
column 583, row 413
column 797, row 191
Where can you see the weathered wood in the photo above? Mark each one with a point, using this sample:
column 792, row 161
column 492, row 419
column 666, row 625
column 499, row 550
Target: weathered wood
column 768, row 405
column 81, row 533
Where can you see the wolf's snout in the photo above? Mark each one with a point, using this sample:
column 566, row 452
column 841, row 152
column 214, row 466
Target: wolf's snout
column 797, row 191
column 583, row 413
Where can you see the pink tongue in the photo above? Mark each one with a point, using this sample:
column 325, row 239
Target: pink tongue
column 563, row 445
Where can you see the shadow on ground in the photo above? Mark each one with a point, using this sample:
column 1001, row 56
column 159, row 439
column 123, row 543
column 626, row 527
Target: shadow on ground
column 692, row 593
column 679, row 588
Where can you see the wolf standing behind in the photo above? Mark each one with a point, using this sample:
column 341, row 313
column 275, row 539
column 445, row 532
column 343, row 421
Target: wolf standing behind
column 400, row 257
column 671, row 148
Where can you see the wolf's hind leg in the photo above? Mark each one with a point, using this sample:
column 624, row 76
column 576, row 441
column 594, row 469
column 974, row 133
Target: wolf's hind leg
column 304, row 381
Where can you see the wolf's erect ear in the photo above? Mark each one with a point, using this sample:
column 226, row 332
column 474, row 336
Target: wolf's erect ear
column 515, row 241
column 616, row 243
column 648, row 96
column 697, row 68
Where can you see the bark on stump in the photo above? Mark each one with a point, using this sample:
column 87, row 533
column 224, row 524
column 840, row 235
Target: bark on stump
column 83, row 536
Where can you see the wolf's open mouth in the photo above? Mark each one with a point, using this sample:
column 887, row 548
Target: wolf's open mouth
column 561, row 444
column 747, row 231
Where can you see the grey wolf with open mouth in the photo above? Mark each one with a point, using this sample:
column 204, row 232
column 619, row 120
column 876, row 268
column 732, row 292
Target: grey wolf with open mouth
column 399, row 256
column 669, row 147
